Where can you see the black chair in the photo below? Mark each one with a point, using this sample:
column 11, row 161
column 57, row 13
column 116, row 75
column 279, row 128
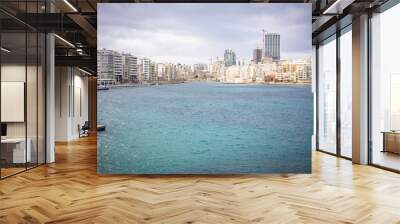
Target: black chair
column 84, row 130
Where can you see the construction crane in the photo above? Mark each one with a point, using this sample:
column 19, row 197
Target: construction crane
column 263, row 38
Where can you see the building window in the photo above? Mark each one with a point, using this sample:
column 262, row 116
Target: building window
column 346, row 93
column 385, row 89
column 327, row 95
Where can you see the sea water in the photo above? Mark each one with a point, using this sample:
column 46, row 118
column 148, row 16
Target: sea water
column 205, row 128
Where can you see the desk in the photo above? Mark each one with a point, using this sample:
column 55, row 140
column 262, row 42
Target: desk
column 18, row 151
column 391, row 141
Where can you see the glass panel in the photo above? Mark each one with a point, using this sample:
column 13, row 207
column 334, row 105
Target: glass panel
column 31, row 87
column 41, row 99
column 386, row 89
column 31, row 98
column 13, row 79
column 346, row 93
column 327, row 96
column 23, row 90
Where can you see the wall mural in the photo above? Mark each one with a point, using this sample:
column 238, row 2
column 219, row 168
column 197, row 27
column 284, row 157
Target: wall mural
column 204, row 88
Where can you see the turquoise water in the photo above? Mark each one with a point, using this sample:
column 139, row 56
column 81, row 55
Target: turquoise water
column 200, row 128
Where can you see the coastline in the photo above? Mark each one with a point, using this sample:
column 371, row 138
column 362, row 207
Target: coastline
column 208, row 81
column 272, row 83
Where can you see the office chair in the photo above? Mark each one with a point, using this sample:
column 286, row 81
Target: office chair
column 84, row 130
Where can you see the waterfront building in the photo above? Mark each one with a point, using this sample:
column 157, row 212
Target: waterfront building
column 130, row 67
column 199, row 68
column 272, row 46
column 200, row 71
column 257, row 55
column 173, row 72
column 229, row 57
column 145, row 70
column 216, row 70
column 109, row 65
column 161, row 71
column 303, row 70
column 240, row 74
column 166, row 71
column 153, row 72
column 183, row 72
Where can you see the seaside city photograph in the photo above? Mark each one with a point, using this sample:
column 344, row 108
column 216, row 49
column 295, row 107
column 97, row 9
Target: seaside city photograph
column 204, row 88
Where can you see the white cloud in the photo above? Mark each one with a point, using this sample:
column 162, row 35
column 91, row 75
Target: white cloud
column 192, row 33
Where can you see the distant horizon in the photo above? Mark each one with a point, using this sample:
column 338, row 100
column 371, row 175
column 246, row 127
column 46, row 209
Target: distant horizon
column 193, row 33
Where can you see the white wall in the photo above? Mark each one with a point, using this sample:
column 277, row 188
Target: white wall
column 16, row 73
column 33, row 126
column 71, row 94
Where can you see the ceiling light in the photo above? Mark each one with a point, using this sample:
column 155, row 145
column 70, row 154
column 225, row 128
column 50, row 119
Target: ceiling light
column 86, row 72
column 65, row 41
column 337, row 7
column 70, row 5
column 5, row 50
column 331, row 7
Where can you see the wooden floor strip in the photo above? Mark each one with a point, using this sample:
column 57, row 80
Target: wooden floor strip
column 70, row 191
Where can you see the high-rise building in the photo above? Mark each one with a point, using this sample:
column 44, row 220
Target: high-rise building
column 152, row 72
column 109, row 65
column 229, row 57
column 145, row 69
column 272, row 47
column 171, row 72
column 257, row 55
column 161, row 71
column 130, row 65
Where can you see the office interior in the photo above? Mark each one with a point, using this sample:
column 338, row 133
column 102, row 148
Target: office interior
column 48, row 78
column 357, row 85
column 48, row 92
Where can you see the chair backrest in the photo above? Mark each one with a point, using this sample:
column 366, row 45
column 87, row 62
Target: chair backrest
column 86, row 125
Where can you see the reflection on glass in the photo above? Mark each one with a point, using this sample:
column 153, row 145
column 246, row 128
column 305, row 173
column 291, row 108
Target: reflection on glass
column 386, row 89
column 346, row 94
column 31, row 101
column 394, row 102
column 41, row 99
column 14, row 153
column 327, row 96
column 22, row 92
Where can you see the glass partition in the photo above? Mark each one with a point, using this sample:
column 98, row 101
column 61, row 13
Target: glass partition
column 327, row 96
column 13, row 114
column 22, row 88
column 346, row 93
column 41, row 97
column 31, row 99
column 385, row 89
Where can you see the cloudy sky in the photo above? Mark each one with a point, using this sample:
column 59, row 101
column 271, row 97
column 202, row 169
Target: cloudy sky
column 192, row 33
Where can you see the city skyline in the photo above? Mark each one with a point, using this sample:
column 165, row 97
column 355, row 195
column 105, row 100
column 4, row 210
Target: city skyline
column 185, row 36
column 117, row 67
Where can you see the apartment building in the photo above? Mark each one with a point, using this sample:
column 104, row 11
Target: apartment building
column 110, row 65
column 130, row 65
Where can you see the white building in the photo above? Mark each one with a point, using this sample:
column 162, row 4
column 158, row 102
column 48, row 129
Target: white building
column 109, row 65
column 145, row 70
column 130, row 65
